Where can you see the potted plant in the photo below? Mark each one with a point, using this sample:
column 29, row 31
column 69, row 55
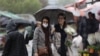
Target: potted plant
column 91, row 49
column 84, row 53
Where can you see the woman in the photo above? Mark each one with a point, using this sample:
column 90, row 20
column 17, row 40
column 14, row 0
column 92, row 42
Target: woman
column 42, row 39
column 60, row 28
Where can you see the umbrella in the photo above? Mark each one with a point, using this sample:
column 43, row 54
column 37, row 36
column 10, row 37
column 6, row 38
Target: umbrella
column 12, row 25
column 9, row 15
column 21, row 21
column 16, row 21
column 4, row 23
column 52, row 11
column 29, row 17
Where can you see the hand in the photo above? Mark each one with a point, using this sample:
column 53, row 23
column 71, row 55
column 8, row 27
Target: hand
column 36, row 54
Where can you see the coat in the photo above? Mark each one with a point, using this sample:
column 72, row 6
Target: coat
column 39, row 39
column 82, row 29
column 93, row 25
column 15, row 45
column 63, row 49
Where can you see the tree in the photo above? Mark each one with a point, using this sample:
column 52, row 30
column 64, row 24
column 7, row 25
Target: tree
column 44, row 2
column 20, row 6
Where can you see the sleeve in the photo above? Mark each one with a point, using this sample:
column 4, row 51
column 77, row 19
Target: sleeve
column 79, row 26
column 7, row 46
column 35, row 40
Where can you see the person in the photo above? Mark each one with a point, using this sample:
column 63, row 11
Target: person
column 28, row 34
column 93, row 23
column 59, row 27
column 15, row 45
column 41, row 40
column 77, row 11
column 75, row 39
column 82, row 30
column 93, row 28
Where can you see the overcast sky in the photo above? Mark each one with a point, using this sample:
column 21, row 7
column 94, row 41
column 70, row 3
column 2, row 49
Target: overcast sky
column 55, row 1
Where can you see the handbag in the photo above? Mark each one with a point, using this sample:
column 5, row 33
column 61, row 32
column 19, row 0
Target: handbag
column 42, row 51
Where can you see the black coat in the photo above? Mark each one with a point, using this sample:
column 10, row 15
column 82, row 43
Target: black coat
column 93, row 25
column 15, row 45
column 82, row 29
column 63, row 49
column 82, row 26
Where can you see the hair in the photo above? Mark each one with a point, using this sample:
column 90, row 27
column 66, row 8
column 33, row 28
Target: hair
column 20, row 26
column 90, row 13
column 47, row 18
column 62, row 14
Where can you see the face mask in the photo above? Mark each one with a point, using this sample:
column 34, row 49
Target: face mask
column 45, row 25
column 21, row 30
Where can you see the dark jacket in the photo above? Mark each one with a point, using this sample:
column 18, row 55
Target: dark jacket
column 82, row 29
column 63, row 38
column 15, row 45
column 82, row 26
column 93, row 25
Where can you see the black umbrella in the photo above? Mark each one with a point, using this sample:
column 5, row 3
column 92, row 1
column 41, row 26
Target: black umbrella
column 52, row 12
column 12, row 25
column 3, row 21
column 17, row 21
column 22, row 21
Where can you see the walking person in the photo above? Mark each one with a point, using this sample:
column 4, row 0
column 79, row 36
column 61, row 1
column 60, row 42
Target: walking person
column 60, row 28
column 15, row 45
column 41, row 40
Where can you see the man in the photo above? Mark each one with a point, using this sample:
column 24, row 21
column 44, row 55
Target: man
column 15, row 45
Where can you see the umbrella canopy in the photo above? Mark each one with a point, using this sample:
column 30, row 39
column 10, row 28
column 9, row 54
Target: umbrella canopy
column 2, row 20
column 6, row 16
column 52, row 11
column 4, row 23
column 21, row 21
column 12, row 25
column 9, row 15
column 29, row 17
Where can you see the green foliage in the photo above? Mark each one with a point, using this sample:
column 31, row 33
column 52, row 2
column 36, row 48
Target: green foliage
column 96, row 48
column 44, row 2
column 91, row 46
column 68, row 43
column 81, row 52
column 20, row 6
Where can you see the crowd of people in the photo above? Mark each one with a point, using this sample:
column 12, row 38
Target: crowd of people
column 87, row 29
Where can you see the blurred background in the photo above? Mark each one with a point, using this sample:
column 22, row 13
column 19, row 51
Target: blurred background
column 30, row 6
column 25, row 9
